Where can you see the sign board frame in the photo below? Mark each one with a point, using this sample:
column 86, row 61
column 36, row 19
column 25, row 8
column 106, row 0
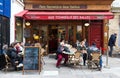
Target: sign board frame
column 31, row 59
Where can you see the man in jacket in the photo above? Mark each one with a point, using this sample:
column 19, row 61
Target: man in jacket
column 111, row 43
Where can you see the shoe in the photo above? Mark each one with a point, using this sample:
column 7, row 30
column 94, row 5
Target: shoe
column 64, row 64
column 20, row 65
column 58, row 66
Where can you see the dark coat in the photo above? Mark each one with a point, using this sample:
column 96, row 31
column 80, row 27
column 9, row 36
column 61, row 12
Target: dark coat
column 112, row 40
column 60, row 49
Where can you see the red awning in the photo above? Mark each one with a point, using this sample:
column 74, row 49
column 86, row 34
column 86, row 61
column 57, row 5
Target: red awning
column 31, row 15
column 20, row 14
column 67, row 15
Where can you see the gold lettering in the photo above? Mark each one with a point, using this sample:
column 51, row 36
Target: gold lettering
column 65, row 6
column 42, row 6
column 61, row 6
column 77, row 7
column 53, row 6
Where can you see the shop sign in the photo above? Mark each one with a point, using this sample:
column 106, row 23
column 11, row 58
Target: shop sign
column 1, row 7
column 117, row 10
column 5, row 7
column 59, row 6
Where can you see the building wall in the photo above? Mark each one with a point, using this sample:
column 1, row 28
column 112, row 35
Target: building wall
column 114, row 27
column 64, row 4
column 89, row 5
column 16, row 7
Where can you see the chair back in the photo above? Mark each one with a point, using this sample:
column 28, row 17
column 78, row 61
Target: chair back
column 95, row 55
column 77, row 55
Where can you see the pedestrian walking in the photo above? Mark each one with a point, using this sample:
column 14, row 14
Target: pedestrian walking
column 111, row 43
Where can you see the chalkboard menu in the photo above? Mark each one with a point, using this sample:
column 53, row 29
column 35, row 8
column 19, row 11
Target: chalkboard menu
column 31, row 58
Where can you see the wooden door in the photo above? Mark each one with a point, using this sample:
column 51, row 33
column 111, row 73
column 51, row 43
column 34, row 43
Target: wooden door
column 95, row 34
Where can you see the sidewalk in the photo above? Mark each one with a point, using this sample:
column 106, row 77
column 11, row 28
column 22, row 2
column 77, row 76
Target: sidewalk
column 50, row 71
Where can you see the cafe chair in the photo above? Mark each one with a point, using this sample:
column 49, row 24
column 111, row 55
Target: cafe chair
column 94, row 61
column 76, row 58
column 8, row 63
column 42, row 62
column 46, row 50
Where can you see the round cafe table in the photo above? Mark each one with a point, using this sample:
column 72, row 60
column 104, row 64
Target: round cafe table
column 69, row 53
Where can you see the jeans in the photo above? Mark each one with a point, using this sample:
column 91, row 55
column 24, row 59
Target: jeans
column 111, row 50
column 60, row 56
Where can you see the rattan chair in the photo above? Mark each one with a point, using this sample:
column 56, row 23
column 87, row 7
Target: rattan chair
column 94, row 61
column 8, row 63
column 75, row 59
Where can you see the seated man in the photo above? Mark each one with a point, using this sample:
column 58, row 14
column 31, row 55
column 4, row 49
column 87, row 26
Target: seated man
column 93, row 48
column 61, row 55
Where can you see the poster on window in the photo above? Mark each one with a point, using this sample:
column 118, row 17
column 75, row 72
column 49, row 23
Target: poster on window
column 26, row 33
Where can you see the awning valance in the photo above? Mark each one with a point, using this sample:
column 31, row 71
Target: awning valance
column 37, row 15
column 21, row 14
column 67, row 15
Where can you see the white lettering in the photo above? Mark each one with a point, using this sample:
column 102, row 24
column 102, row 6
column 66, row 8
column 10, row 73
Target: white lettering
column 1, row 4
column 1, row 10
column 51, row 17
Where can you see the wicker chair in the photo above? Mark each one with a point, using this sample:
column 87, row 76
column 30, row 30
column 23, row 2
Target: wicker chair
column 8, row 63
column 94, row 61
column 75, row 58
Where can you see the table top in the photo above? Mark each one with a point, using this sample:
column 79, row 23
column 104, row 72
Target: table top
column 69, row 53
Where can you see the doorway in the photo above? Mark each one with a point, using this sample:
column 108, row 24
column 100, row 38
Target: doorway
column 53, row 38
column 95, row 34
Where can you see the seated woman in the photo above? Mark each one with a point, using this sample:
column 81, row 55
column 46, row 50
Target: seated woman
column 61, row 55
column 81, row 46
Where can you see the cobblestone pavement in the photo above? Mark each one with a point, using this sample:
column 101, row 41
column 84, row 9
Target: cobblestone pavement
column 50, row 71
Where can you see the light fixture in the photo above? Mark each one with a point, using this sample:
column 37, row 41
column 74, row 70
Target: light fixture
column 27, row 23
column 86, row 24
column 18, row 24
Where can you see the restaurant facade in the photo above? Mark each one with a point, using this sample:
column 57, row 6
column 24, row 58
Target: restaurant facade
column 48, row 21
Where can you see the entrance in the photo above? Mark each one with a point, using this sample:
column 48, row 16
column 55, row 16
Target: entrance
column 58, row 32
column 53, row 38
column 95, row 34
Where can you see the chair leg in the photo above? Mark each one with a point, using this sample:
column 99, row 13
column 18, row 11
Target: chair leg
column 6, row 68
column 43, row 61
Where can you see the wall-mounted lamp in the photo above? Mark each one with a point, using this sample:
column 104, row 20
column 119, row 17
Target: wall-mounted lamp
column 107, row 24
column 18, row 24
column 27, row 23
column 86, row 24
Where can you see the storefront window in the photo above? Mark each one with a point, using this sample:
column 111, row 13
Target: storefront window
column 0, row 39
column 61, row 32
column 43, row 35
column 4, row 32
column 70, row 34
column 79, row 33
column 19, row 30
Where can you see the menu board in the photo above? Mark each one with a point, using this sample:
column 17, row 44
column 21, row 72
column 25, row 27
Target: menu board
column 31, row 58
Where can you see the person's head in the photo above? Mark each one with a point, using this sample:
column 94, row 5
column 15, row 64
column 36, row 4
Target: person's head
column 115, row 33
column 93, row 44
column 84, row 39
column 66, row 42
column 62, row 43
column 83, row 43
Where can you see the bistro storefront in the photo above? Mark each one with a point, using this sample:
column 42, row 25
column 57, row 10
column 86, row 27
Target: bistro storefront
column 49, row 21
